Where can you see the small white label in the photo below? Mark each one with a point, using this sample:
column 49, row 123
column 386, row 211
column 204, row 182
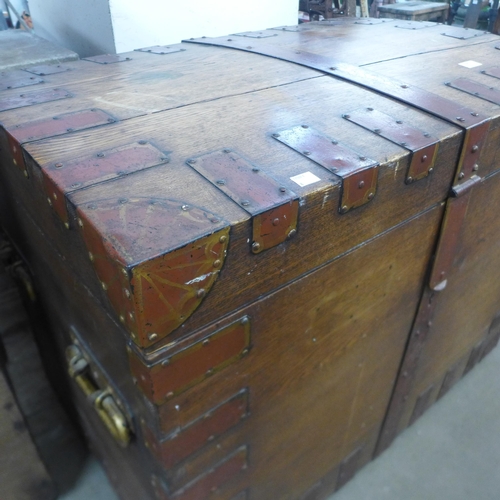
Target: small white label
column 470, row 64
column 305, row 179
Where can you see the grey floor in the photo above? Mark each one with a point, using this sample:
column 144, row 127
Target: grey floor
column 451, row 453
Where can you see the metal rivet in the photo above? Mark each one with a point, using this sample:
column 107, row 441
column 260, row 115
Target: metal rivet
column 371, row 195
column 229, row 39
column 399, row 122
column 104, row 286
column 245, row 203
column 344, row 209
column 206, row 342
column 475, row 148
column 91, row 257
column 165, row 362
column 185, row 208
column 217, row 263
column 131, row 316
column 152, row 336
column 333, row 68
column 409, row 180
column 221, row 182
column 377, row 131
column 255, row 169
column 460, row 119
column 214, row 220
column 122, row 318
column 49, row 201
column 335, row 142
column 191, row 162
column 276, row 135
column 430, row 170
column 362, row 158
column 124, row 271
column 461, row 175
column 424, row 158
column 245, row 352
column 346, row 116
column 80, row 222
column 475, row 167
column 226, row 150
column 211, row 438
column 291, row 233
column 142, row 142
column 126, row 291
column 54, row 195
column 170, row 395
column 307, row 153
column 255, row 247
column 282, row 189
column 100, row 155
column 403, row 144
column 210, row 371
column 276, row 222
column 305, row 126
column 404, row 86
column 426, row 134
column 369, row 109
column 474, row 114
column 361, row 184
column 223, row 239
column 200, row 293
column 66, row 225
column 58, row 165
column 25, row 172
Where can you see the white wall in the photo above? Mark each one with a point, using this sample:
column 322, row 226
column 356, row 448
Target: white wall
column 83, row 26
column 144, row 23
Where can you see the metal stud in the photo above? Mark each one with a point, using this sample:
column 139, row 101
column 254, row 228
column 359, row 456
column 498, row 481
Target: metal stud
column 475, row 167
column 371, row 195
column 126, row 291
column 344, row 209
column 475, row 148
column 423, row 159
column 80, row 222
column 206, row 342
column 223, row 239
column 361, row 184
column 217, row 263
column 200, row 293
column 104, row 286
column 58, row 165
column 255, row 247
column 152, row 336
column 91, row 257
column 291, row 233
column 461, row 175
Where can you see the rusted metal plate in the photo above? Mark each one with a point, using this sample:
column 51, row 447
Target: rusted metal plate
column 422, row 404
column 32, row 98
column 107, row 59
column 472, row 147
column 358, row 173
column 406, row 376
column 190, row 366
column 424, row 148
column 463, row 33
column 414, row 25
column 454, row 217
column 17, row 79
column 58, row 125
column 153, row 279
column 274, row 207
column 495, row 72
column 477, row 89
column 207, row 428
column 209, row 482
column 162, row 49
column 256, row 34
column 349, row 467
column 60, row 179
column 47, row 69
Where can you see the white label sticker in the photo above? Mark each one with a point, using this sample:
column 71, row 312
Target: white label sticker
column 305, row 179
column 470, row 64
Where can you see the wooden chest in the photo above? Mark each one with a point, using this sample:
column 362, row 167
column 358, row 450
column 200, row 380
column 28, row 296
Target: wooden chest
column 254, row 252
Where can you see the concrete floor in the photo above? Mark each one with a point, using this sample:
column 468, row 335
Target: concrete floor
column 451, row 453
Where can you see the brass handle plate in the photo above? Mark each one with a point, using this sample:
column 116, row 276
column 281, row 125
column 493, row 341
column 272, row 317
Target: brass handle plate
column 102, row 399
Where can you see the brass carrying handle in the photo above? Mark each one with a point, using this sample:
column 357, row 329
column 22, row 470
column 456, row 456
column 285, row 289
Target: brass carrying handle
column 101, row 399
